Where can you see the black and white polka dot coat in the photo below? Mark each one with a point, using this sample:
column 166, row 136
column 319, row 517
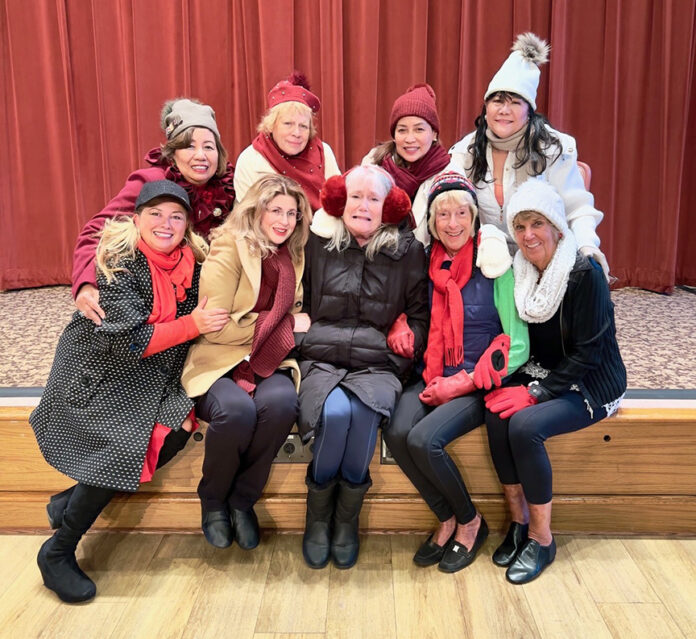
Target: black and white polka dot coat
column 102, row 397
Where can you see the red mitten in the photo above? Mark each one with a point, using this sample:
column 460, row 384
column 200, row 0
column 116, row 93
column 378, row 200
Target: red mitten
column 493, row 364
column 507, row 401
column 400, row 337
column 441, row 390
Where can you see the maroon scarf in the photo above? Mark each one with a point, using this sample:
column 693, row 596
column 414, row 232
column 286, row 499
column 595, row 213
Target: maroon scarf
column 411, row 177
column 306, row 168
column 172, row 274
column 446, row 335
column 273, row 333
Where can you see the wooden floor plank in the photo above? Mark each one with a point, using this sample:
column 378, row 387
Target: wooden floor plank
column 640, row 621
column 624, row 583
column 361, row 599
column 670, row 569
column 561, row 603
column 15, row 556
column 232, row 590
column 296, row 596
column 427, row 604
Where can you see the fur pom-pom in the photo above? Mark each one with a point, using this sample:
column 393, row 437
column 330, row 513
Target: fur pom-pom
column 424, row 85
column 397, row 206
column 333, row 195
column 299, row 79
column 532, row 48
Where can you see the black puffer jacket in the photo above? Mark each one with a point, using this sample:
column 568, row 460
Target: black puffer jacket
column 353, row 303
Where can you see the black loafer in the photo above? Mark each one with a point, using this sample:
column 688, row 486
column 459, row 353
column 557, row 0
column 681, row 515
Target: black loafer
column 217, row 528
column 530, row 562
column 514, row 540
column 430, row 553
column 246, row 528
column 458, row 556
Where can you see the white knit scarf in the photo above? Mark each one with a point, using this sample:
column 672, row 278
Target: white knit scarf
column 538, row 299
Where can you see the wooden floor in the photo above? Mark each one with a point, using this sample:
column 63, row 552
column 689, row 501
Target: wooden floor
column 158, row 586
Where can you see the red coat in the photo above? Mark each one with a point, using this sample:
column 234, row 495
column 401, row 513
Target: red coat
column 211, row 203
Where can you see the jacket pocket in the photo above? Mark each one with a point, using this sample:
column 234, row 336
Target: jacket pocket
column 84, row 385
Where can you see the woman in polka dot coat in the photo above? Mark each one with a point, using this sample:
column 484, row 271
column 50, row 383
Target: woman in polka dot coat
column 113, row 409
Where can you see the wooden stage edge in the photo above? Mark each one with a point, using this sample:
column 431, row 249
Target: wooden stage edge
column 631, row 474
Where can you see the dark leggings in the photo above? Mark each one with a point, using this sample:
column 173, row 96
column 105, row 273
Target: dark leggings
column 417, row 436
column 517, row 443
column 244, row 435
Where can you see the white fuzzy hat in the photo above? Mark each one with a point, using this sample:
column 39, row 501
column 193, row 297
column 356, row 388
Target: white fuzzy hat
column 537, row 195
column 520, row 72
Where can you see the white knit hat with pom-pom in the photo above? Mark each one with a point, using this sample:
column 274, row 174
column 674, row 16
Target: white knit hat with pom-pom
column 520, row 72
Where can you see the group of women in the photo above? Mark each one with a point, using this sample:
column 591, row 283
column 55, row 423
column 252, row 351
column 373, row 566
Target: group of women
column 382, row 297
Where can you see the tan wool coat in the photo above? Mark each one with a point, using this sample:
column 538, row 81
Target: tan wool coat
column 231, row 279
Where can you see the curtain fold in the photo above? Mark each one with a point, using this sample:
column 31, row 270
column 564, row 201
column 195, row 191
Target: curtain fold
column 83, row 83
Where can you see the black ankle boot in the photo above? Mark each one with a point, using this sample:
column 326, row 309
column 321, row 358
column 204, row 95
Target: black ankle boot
column 56, row 507
column 316, row 541
column 514, row 540
column 345, row 543
column 56, row 558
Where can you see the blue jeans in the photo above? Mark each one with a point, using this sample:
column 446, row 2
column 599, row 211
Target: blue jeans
column 346, row 440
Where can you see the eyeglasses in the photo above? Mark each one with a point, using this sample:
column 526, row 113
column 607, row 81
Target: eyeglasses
column 292, row 214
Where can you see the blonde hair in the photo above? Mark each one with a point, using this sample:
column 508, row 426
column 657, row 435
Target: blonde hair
column 119, row 239
column 455, row 197
column 283, row 109
column 245, row 220
column 387, row 235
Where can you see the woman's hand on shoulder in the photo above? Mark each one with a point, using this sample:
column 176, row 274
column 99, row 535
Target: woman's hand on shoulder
column 302, row 322
column 209, row 320
column 87, row 302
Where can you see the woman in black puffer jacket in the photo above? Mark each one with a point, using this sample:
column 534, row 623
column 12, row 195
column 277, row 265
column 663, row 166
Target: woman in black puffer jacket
column 359, row 286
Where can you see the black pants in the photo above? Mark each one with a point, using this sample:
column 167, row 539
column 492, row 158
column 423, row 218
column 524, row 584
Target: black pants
column 517, row 443
column 417, row 436
column 244, row 435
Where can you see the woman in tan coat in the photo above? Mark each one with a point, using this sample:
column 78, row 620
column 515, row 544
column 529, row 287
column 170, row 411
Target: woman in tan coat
column 244, row 385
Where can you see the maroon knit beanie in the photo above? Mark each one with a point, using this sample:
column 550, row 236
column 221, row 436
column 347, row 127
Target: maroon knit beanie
column 418, row 101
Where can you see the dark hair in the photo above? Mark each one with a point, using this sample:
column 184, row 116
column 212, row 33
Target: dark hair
column 183, row 139
column 538, row 146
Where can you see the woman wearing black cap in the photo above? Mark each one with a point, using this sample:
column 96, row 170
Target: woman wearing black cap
column 113, row 409
column 476, row 339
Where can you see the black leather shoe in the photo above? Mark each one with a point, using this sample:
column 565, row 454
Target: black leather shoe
column 457, row 556
column 430, row 553
column 217, row 528
column 514, row 540
column 530, row 562
column 246, row 528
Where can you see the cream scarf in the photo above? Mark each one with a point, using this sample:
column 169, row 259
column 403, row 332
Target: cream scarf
column 537, row 299
column 510, row 144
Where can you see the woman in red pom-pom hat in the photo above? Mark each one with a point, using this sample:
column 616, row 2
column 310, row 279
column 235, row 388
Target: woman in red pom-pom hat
column 357, row 283
column 288, row 143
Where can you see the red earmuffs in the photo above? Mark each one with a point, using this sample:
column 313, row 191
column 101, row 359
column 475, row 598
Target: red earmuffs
column 396, row 207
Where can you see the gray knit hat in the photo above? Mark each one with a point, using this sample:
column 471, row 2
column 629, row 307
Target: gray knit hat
column 165, row 189
column 181, row 114
column 539, row 196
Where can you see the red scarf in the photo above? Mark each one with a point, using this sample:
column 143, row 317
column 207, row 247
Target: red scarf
column 411, row 177
column 306, row 168
column 273, row 333
column 171, row 274
column 446, row 336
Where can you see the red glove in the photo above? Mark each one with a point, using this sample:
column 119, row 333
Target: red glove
column 400, row 337
column 493, row 364
column 507, row 401
column 441, row 390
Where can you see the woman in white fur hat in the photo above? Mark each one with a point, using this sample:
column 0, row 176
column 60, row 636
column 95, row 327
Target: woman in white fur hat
column 574, row 377
column 513, row 142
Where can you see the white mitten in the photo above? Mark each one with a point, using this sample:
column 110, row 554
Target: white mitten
column 493, row 255
column 323, row 224
column 593, row 251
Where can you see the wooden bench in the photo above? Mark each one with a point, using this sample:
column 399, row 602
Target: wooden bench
column 632, row 473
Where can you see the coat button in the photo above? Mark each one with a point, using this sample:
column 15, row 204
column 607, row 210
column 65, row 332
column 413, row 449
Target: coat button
column 134, row 347
column 164, row 370
column 86, row 380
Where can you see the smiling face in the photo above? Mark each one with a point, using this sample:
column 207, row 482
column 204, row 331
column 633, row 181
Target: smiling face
column 198, row 162
column 363, row 212
column 291, row 131
column 413, row 137
column 280, row 218
column 454, row 225
column 506, row 114
column 536, row 237
column 162, row 224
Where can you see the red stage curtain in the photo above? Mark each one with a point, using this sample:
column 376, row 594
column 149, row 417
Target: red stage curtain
column 83, row 82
